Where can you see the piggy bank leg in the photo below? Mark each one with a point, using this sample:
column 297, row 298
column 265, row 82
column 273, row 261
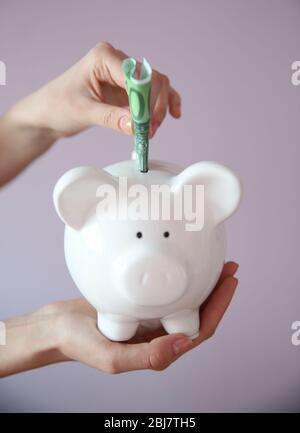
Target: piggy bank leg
column 186, row 321
column 115, row 327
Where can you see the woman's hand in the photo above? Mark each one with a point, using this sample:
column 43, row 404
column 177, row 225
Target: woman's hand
column 67, row 331
column 90, row 93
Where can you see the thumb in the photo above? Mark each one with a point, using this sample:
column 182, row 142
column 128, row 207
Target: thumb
column 166, row 349
column 156, row 355
column 111, row 116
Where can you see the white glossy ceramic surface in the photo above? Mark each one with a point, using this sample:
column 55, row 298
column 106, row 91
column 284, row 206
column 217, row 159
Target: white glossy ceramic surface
column 152, row 279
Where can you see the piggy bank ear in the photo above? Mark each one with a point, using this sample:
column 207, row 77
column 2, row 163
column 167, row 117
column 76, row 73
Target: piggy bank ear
column 222, row 188
column 75, row 194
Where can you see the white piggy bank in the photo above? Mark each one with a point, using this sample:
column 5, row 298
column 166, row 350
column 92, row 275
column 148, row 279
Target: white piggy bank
column 146, row 270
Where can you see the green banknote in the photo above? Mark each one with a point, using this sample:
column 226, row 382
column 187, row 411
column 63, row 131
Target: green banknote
column 139, row 90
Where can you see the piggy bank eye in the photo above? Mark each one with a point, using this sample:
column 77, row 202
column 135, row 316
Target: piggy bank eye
column 139, row 235
column 166, row 234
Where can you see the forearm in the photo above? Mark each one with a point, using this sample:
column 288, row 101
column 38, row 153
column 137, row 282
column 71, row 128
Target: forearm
column 22, row 139
column 31, row 342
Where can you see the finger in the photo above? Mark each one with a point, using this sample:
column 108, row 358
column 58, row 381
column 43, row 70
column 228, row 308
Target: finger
column 155, row 89
column 174, row 103
column 229, row 269
column 215, row 308
column 160, row 104
column 110, row 116
column 108, row 64
column 156, row 355
column 121, row 54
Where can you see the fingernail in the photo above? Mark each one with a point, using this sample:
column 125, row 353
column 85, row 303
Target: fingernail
column 181, row 345
column 125, row 124
column 236, row 266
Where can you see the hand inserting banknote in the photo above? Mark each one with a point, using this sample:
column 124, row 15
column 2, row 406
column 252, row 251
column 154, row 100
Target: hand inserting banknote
column 139, row 92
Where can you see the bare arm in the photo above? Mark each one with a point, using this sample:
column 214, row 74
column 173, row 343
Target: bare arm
column 20, row 143
column 31, row 342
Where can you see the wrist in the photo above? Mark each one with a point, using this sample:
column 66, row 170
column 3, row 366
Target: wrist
column 22, row 139
column 32, row 341
column 26, row 119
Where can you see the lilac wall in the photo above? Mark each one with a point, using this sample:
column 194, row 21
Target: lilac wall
column 231, row 62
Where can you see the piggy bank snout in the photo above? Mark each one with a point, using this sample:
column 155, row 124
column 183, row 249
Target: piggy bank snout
column 152, row 280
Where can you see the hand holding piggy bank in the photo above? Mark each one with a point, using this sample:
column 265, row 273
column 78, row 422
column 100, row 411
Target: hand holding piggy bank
column 153, row 269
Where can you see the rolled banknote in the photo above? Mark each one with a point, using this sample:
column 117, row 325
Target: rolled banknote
column 139, row 90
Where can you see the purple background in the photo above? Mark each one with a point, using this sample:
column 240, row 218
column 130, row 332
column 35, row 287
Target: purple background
column 231, row 61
